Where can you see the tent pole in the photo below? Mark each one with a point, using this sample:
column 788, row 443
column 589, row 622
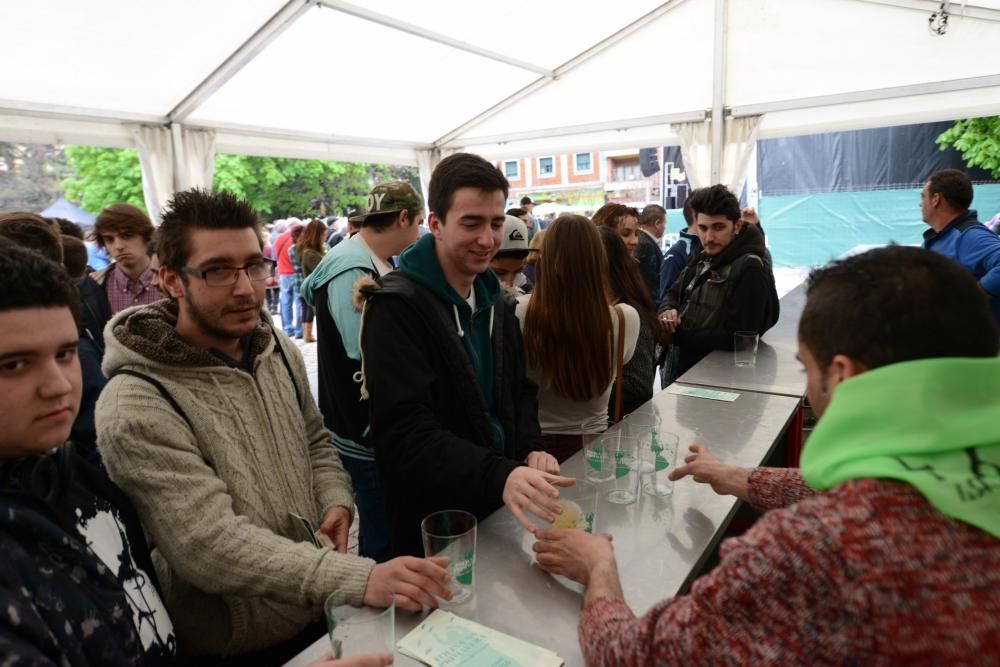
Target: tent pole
column 719, row 87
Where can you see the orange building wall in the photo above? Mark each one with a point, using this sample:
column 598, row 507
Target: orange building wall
column 593, row 175
column 554, row 179
column 515, row 182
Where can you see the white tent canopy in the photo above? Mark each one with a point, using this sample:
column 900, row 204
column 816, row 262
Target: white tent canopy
column 406, row 82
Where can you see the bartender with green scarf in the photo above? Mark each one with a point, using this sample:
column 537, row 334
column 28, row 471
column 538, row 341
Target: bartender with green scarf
column 885, row 547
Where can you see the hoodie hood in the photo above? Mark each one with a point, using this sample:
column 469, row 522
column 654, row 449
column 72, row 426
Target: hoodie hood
column 420, row 263
column 345, row 256
column 750, row 241
column 147, row 336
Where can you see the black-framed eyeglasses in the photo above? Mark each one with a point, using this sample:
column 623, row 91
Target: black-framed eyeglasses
column 225, row 276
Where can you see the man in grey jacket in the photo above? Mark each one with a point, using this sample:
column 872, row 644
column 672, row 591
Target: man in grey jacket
column 208, row 424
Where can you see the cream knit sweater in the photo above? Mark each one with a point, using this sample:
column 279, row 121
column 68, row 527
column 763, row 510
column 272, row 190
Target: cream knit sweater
column 215, row 502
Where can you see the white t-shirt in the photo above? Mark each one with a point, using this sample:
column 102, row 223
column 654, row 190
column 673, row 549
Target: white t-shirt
column 560, row 415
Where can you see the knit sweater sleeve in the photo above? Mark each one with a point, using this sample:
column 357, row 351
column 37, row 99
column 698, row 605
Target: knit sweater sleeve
column 152, row 453
column 775, row 593
column 331, row 483
column 771, row 488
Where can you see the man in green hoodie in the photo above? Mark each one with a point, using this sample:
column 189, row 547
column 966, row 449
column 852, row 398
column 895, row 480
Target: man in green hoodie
column 885, row 548
column 454, row 417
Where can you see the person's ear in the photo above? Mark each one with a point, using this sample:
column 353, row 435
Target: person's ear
column 434, row 223
column 172, row 282
column 738, row 225
column 843, row 367
column 403, row 219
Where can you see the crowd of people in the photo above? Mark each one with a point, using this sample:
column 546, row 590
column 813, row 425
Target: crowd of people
column 171, row 492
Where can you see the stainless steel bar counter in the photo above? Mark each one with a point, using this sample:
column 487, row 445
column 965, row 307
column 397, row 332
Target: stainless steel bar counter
column 776, row 372
column 660, row 543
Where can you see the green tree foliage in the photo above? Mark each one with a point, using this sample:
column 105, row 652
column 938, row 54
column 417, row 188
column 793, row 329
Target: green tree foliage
column 276, row 187
column 104, row 176
column 282, row 187
column 978, row 140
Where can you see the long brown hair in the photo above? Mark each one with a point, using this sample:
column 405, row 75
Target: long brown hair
column 313, row 237
column 626, row 281
column 567, row 327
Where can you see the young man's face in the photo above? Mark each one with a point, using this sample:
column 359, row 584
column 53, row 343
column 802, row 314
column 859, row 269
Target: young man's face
column 128, row 250
column 628, row 229
column 409, row 228
column 716, row 232
column 927, row 202
column 223, row 312
column 507, row 268
column 39, row 379
column 472, row 232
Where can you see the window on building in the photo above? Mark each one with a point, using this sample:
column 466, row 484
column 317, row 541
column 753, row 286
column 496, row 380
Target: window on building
column 583, row 163
column 626, row 170
column 546, row 166
column 512, row 169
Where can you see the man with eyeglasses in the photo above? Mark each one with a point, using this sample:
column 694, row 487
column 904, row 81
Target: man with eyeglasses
column 208, row 424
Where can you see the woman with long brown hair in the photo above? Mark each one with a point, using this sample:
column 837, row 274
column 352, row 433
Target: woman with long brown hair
column 571, row 334
column 628, row 287
column 621, row 218
column 306, row 255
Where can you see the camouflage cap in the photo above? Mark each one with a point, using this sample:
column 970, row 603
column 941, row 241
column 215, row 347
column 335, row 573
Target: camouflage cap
column 391, row 197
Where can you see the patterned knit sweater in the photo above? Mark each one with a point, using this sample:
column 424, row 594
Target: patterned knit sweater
column 866, row 573
column 216, row 496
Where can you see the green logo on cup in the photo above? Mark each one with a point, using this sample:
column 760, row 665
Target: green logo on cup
column 589, row 521
column 464, row 569
column 621, row 468
column 594, row 458
column 660, row 463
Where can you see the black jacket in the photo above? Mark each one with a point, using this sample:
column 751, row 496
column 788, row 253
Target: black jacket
column 58, row 518
column 736, row 293
column 95, row 313
column 431, row 427
column 650, row 259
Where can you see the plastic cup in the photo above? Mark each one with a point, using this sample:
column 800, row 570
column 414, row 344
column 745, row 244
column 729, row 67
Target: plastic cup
column 625, row 485
column 662, row 457
column 641, row 427
column 579, row 506
column 745, row 348
column 452, row 533
column 356, row 631
column 598, row 456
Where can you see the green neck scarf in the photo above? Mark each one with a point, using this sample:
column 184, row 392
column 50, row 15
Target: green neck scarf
column 933, row 423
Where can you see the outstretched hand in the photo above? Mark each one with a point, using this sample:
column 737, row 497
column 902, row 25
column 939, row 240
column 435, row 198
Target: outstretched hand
column 530, row 490
column 724, row 479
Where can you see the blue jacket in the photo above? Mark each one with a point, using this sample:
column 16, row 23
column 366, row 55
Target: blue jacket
column 675, row 261
column 974, row 246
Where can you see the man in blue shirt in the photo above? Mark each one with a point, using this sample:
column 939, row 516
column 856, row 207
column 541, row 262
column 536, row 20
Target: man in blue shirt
column 956, row 232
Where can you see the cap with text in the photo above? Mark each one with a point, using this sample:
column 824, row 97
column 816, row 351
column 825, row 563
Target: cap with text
column 391, row 197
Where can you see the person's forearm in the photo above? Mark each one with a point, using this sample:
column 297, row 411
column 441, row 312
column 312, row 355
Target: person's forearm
column 603, row 583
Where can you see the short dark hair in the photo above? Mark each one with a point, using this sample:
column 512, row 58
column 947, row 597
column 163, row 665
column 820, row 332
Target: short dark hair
column 74, row 256
column 68, row 228
column 462, row 170
column 516, row 212
column 41, row 283
column 895, row 304
column 526, row 200
column 715, row 200
column 32, row 232
column 687, row 211
column 122, row 219
column 652, row 214
column 954, row 186
column 199, row 209
column 151, row 247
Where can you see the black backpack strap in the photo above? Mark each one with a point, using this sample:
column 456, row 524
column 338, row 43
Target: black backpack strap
column 159, row 387
column 288, row 366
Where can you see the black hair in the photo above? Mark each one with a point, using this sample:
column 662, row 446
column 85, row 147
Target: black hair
column 954, row 186
column 715, row 200
column 687, row 211
column 526, row 200
column 516, row 212
column 34, row 281
column 896, row 304
column 74, row 256
column 462, row 170
column 68, row 228
column 199, row 209
column 32, row 232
